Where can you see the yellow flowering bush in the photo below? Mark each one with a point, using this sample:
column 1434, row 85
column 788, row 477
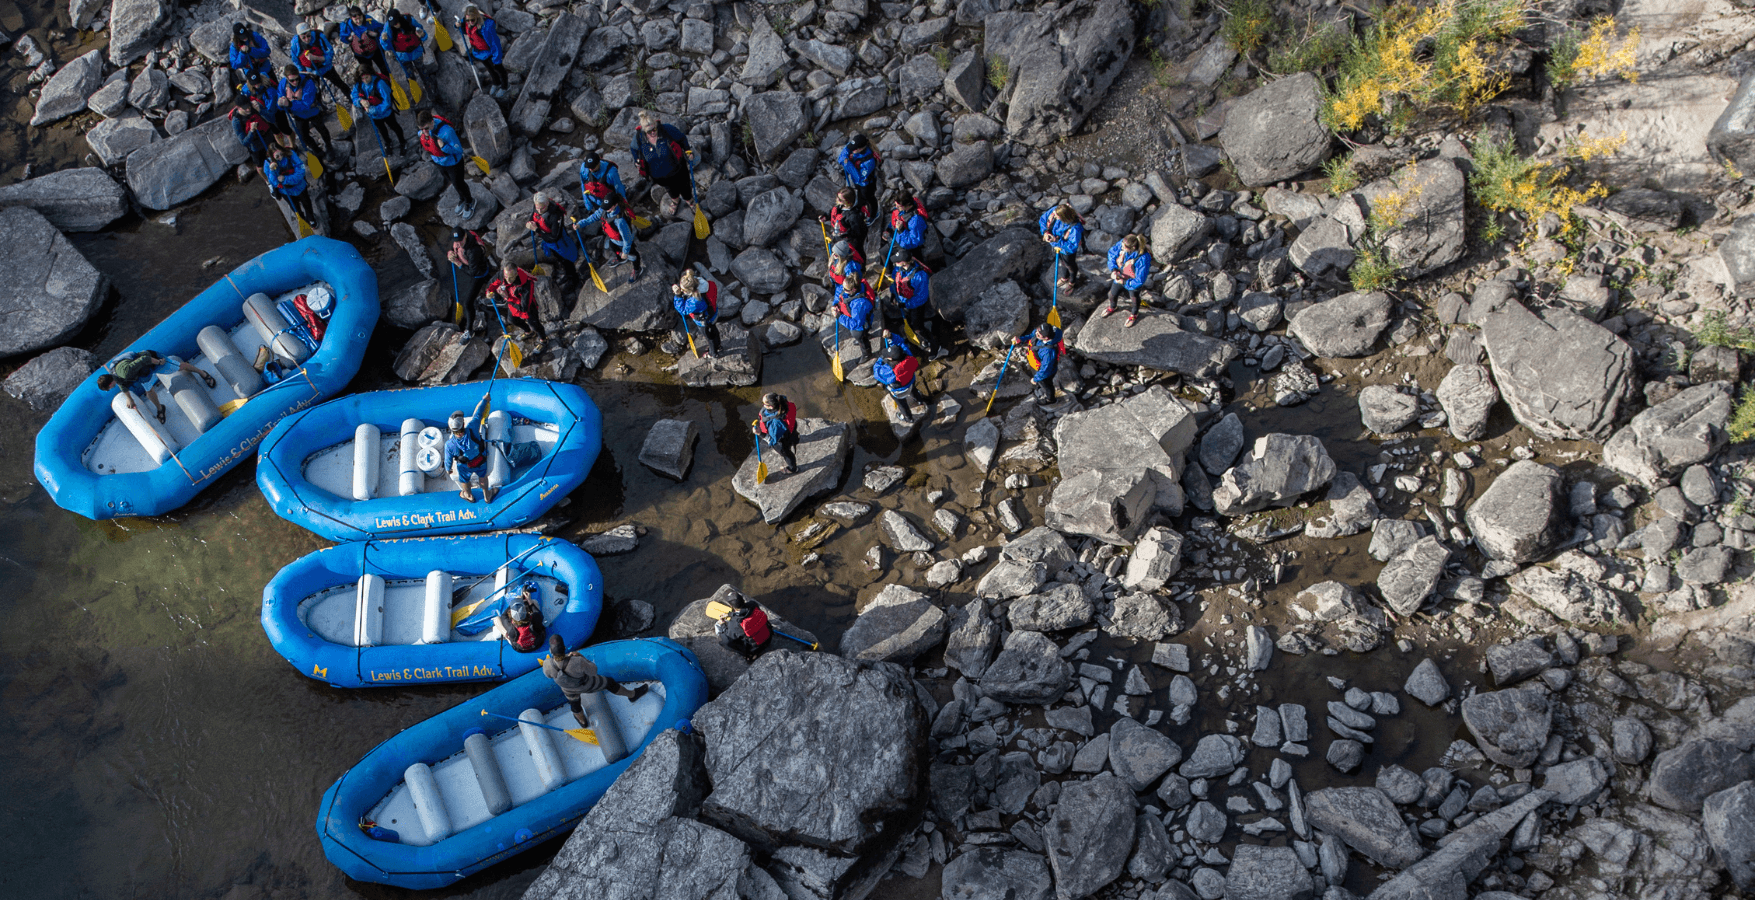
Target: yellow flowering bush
column 1386, row 74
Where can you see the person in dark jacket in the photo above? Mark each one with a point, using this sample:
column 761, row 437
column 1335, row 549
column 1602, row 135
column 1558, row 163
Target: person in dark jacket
column 777, row 427
column 468, row 255
column 521, row 623
column 253, row 130
column 661, row 153
column 845, row 223
column 577, row 676
column 744, row 629
column 859, row 164
column 554, row 228
column 1042, row 351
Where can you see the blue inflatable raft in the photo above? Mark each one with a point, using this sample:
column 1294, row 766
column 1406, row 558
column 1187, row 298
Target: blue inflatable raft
column 420, row 611
column 100, row 458
column 372, row 465
column 462, row 791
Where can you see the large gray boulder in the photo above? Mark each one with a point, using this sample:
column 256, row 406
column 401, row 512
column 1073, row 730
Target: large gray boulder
column 1149, row 431
column 1662, row 441
column 1109, row 505
column 990, row 873
column 1429, row 232
column 775, row 119
column 46, row 380
column 1347, row 325
column 761, row 271
column 171, row 171
column 1732, row 138
column 669, row 448
column 1061, row 64
column 1007, row 256
column 1467, row 396
column 1138, row 754
column 1090, row 835
column 1412, row 575
column 85, row 199
column 1447, row 872
column 1520, row 515
column 1057, row 607
column 966, row 164
column 1267, row 873
column 641, row 306
column 1176, row 230
column 1028, row 670
column 1156, row 342
column 1564, row 376
column 66, row 91
column 1729, row 817
column 813, row 749
column 895, row 626
column 135, row 26
column 1275, row 131
column 50, row 290
column 1276, row 471
column 440, row 354
column 1683, row 776
column 821, row 455
column 1367, row 820
column 485, row 125
column 770, row 215
column 1510, row 726
column 1385, row 410
column 548, row 71
column 113, row 139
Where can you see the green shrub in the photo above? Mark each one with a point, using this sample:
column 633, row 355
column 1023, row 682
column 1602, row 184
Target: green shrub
column 1742, row 425
column 998, row 72
column 1343, row 174
column 1249, row 24
column 1716, row 332
column 1372, row 269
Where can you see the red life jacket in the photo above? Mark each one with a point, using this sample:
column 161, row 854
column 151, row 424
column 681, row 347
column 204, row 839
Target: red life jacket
column 755, row 626
column 404, row 40
column 838, row 221
column 373, row 95
column 519, row 293
column 899, row 218
column 312, row 322
column 905, row 369
column 362, row 43
column 791, row 420
column 598, row 190
column 429, row 142
column 311, row 55
column 610, row 229
column 477, row 40
column 253, row 122
column 525, row 638
column 542, row 224
column 713, row 299
column 905, row 286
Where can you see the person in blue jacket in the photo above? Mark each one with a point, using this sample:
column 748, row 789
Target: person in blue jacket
column 594, row 168
column 364, row 36
column 303, row 105
column 845, row 262
column 286, row 177
column 372, row 94
column 776, row 425
column 912, row 288
column 439, row 138
column 859, row 163
column 1064, row 231
column 482, row 37
column 1043, row 353
column 248, row 53
column 908, row 222
column 262, row 90
column 660, row 152
column 405, row 39
column 853, row 305
column 466, row 454
column 696, row 302
column 1129, row 264
column 310, row 51
column 618, row 236
column 252, row 129
column 895, row 370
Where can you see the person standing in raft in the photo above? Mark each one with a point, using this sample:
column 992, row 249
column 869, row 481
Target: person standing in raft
column 466, row 454
column 521, row 623
column 777, row 427
column 577, row 676
column 744, row 628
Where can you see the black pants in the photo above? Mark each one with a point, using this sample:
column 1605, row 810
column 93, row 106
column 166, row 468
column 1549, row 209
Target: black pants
column 1133, row 297
column 787, row 449
column 304, row 128
column 867, row 200
column 1069, row 270
column 374, row 61
column 739, row 643
column 394, row 127
column 301, row 203
column 1044, row 389
column 496, row 72
column 920, row 319
column 711, row 330
column 334, row 78
column 454, row 175
column 469, row 293
column 531, row 325
column 677, row 182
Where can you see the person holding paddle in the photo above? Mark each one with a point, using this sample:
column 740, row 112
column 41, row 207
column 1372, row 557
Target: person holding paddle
column 1129, row 264
column 1043, row 351
column 908, row 222
column 844, row 223
column 600, row 182
column 287, row 179
column 247, row 55
column 516, row 289
column 439, row 138
column 252, row 129
column 364, row 36
column 618, row 235
column 1063, row 230
column 404, row 39
column 776, row 425
column 466, row 454
column 468, row 255
column 895, row 370
column 859, row 164
column 912, row 289
column 853, row 299
column 372, row 94
column 310, row 50
column 521, row 622
column 553, row 229
column 482, row 36
column 577, row 676
column 743, row 628
column 303, row 103
column 697, row 304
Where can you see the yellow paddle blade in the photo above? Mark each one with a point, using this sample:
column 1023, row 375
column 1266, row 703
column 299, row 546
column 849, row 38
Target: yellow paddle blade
column 691, row 336
column 583, row 734
column 305, row 229
column 482, row 165
column 513, row 352
column 702, row 229
column 414, row 90
column 344, row 117
column 457, row 313
column 231, row 406
column 540, row 271
column 389, row 174
column 836, row 366
column 463, row 612
column 398, row 95
column 1054, row 316
column 441, row 36
column 761, row 473
column 716, row 610
column 827, row 250
column 313, row 164
column 908, row 332
column 596, row 279
column 642, row 222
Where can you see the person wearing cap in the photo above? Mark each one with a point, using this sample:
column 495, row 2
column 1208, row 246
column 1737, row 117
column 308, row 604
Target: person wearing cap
column 859, row 164
column 438, row 137
column 577, row 676
column 311, row 52
column 844, row 223
column 372, row 94
column 743, row 629
column 252, row 129
column 854, row 300
column 776, row 426
column 404, row 38
column 248, row 53
column 466, row 454
column 895, row 370
column 469, row 257
column 696, row 301
column 1129, row 264
column 288, row 179
column 908, row 222
column 912, row 288
column 617, row 221
column 1042, row 352
column 515, row 291
column 482, row 36
column 661, row 152
column 300, row 98
column 1064, row 231
column 845, row 262
column 364, row 36
column 262, row 91
column 521, row 622
column 556, row 239
column 600, row 182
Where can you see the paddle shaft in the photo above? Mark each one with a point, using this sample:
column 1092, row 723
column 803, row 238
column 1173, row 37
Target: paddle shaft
column 565, row 731
column 458, row 595
column 1000, row 380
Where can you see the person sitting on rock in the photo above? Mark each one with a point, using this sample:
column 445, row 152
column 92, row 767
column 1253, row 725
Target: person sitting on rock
column 618, row 236
column 1129, row 264
column 364, row 36
column 776, row 425
column 859, row 165
column 743, row 629
column 481, row 35
column 521, row 622
column 696, row 301
column 895, row 370
column 577, row 676
column 466, row 456
column 1064, row 231
column 908, row 222
column 1043, row 352
column 844, row 223
column 555, row 239
column 131, row 373
column 515, row 291
column 248, row 54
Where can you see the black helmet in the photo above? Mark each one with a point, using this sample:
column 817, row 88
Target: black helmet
column 893, row 353
column 239, row 29
column 858, row 140
column 592, row 159
column 520, row 613
column 457, row 235
column 355, row 11
column 1045, row 331
column 904, row 256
